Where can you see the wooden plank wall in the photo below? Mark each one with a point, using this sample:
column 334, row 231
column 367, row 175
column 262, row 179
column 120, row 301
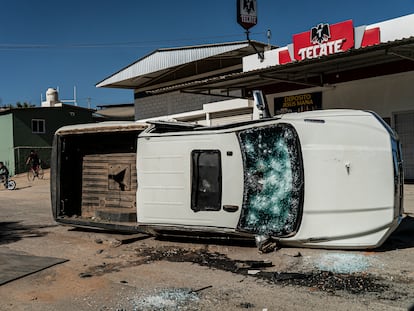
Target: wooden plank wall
column 109, row 183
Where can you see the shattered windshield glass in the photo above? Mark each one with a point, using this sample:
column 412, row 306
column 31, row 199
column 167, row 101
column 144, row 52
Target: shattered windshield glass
column 273, row 180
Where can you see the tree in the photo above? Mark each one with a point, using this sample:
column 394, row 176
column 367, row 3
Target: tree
column 20, row 105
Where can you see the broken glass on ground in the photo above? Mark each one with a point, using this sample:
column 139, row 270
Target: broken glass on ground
column 166, row 299
column 343, row 263
column 353, row 283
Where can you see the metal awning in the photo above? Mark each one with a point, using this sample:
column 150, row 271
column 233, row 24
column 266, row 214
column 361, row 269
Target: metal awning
column 392, row 57
column 165, row 67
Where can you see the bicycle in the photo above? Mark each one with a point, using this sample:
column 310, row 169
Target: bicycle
column 10, row 184
column 36, row 171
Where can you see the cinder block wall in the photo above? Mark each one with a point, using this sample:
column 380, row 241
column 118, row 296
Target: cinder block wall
column 171, row 103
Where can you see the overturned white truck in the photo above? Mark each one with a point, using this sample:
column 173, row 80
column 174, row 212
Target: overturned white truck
column 330, row 179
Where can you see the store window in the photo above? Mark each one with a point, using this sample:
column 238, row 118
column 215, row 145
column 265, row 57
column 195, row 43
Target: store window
column 206, row 180
column 38, row 126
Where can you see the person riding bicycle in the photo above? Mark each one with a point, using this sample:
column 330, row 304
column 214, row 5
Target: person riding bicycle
column 33, row 160
column 4, row 174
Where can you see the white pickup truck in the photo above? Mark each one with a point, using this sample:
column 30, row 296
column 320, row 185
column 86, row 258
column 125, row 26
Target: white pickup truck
column 327, row 178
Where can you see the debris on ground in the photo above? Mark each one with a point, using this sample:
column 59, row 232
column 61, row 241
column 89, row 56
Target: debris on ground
column 249, row 264
column 166, row 299
column 297, row 255
column 265, row 244
column 353, row 281
column 343, row 263
column 201, row 289
column 253, row 272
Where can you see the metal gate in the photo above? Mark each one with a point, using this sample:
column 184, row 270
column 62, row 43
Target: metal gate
column 404, row 125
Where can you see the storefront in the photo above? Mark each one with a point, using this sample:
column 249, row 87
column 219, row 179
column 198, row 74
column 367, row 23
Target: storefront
column 328, row 66
column 368, row 67
column 337, row 66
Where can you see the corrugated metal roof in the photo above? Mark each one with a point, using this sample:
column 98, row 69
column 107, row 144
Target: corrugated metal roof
column 162, row 59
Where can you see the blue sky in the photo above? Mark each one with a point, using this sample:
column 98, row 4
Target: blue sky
column 67, row 43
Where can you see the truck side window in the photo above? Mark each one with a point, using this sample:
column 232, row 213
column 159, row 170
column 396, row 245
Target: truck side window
column 206, row 180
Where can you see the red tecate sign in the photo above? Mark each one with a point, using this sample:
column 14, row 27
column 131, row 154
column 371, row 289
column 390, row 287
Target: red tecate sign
column 323, row 39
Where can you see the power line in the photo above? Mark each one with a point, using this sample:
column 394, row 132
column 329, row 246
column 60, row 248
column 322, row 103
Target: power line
column 131, row 44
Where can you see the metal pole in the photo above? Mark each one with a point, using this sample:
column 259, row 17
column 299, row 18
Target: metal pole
column 259, row 54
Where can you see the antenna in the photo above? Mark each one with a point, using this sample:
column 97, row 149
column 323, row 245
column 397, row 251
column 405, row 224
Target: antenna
column 269, row 36
column 70, row 100
column 259, row 54
column 74, row 95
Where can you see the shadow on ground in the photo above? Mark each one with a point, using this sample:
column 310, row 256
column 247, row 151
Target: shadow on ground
column 402, row 237
column 21, row 188
column 14, row 231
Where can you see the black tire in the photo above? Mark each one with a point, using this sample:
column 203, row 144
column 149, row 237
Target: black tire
column 11, row 184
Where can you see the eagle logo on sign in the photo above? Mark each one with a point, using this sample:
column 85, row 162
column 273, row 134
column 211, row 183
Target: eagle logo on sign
column 320, row 34
column 248, row 6
column 247, row 13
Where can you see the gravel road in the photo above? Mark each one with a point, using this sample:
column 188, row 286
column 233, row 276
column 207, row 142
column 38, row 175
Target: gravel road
column 110, row 271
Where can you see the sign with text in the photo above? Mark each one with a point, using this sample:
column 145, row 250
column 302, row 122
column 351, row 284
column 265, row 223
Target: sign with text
column 247, row 13
column 323, row 39
column 298, row 103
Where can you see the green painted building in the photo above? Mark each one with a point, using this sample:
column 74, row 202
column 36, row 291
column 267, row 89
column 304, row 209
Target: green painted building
column 24, row 129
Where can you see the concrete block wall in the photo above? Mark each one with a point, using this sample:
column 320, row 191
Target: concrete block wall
column 171, row 103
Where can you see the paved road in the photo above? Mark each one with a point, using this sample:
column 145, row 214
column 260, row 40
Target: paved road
column 135, row 272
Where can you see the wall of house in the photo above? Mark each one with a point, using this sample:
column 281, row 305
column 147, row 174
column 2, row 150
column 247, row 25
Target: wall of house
column 55, row 117
column 6, row 139
column 171, row 103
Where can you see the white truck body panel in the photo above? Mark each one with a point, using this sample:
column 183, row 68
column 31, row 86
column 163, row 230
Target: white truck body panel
column 348, row 179
column 328, row 178
column 164, row 179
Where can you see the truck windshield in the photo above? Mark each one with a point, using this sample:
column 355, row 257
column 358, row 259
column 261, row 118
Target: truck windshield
column 273, row 180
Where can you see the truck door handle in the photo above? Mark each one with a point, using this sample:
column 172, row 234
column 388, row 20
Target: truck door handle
column 230, row 208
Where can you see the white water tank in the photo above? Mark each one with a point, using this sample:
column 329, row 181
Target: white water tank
column 52, row 97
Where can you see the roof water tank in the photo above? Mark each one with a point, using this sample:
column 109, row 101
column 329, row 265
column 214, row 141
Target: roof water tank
column 52, row 97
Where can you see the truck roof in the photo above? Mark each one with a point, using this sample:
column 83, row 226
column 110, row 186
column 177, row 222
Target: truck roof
column 109, row 126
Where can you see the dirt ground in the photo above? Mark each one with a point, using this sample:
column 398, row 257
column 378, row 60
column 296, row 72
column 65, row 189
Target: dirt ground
column 110, row 271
